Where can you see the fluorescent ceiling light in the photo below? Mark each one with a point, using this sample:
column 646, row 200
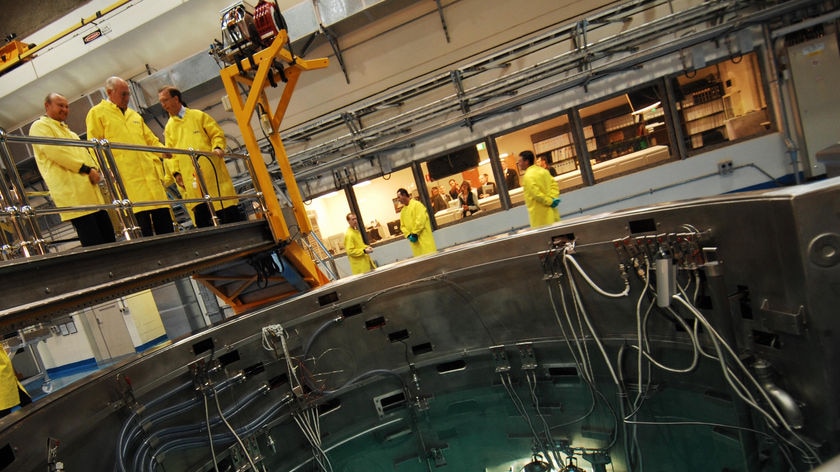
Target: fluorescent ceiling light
column 647, row 108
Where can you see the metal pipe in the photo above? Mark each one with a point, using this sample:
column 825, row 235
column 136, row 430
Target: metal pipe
column 22, row 217
column 721, row 319
column 782, row 95
column 653, row 190
column 783, row 400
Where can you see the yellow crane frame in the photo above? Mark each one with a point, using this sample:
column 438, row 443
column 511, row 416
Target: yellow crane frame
column 256, row 73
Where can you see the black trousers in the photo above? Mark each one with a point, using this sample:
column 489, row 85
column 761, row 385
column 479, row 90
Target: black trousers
column 95, row 228
column 157, row 221
column 231, row 214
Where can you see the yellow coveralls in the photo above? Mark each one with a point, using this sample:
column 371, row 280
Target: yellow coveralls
column 59, row 167
column 141, row 172
column 414, row 219
column 9, row 382
column 540, row 189
column 199, row 131
column 360, row 261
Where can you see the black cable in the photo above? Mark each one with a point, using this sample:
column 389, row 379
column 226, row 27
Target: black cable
column 216, row 176
column 264, row 267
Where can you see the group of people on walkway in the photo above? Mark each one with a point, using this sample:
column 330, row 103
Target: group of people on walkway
column 74, row 176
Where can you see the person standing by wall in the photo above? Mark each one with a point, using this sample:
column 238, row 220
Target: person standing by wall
column 140, row 171
column 189, row 128
column 71, row 174
column 358, row 253
column 542, row 194
column 415, row 224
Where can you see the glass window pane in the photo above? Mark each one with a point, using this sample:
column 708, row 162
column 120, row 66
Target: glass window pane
column 723, row 102
column 551, row 140
column 327, row 214
column 459, row 179
column 626, row 133
column 377, row 201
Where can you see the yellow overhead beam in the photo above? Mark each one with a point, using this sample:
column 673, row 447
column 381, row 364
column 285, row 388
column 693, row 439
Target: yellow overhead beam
column 21, row 52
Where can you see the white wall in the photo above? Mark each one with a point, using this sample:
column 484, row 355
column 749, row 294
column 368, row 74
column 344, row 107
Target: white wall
column 63, row 350
column 144, row 323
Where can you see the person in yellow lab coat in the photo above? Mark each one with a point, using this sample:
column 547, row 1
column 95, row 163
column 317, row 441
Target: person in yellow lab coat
column 139, row 171
column 12, row 392
column 358, row 253
column 188, row 128
column 415, row 224
column 71, row 174
column 542, row 194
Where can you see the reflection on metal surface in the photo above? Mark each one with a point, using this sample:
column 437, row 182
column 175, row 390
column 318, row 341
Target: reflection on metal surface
column 523, row 352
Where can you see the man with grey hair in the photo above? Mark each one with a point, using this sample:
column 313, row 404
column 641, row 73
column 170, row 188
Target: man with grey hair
column 141, row 172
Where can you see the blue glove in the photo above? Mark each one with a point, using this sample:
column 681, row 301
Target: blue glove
column 412, row 237
column 555, row 202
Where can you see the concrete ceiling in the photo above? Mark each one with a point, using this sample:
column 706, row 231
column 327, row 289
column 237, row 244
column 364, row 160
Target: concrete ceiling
column 25, row 18
column 141, row 36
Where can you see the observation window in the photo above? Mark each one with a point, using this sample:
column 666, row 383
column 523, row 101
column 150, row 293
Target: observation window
column 553, row 144
column 722, row 102
column 463, row 177
column 626, row 133
column 378, row 210
column 328, row 217
column 378, row 205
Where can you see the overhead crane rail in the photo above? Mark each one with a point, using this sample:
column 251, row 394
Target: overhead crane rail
column 436, row 102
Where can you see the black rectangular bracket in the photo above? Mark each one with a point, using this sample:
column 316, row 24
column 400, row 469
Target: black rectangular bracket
column 780, row 321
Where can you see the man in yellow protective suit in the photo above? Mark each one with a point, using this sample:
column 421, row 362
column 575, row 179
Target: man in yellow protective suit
column 415, row 224
column 188, row 128
column 139, row 171
column 71, row 174
column 542, row 194
column 358, row 253
column 12, row 392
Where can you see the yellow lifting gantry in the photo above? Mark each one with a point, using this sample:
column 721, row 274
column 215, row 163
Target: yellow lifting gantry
column 255, row 73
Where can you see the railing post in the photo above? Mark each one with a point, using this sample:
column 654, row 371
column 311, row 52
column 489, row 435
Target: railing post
column 202, row 185
column 17, row 205
column 113, row 181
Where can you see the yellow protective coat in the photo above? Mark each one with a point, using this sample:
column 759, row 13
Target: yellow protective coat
column 540, row 189
column 355, row 246
column 9, row 383
column 199, row 131
column 414, row 219
column 141, row 172
column 59, row 167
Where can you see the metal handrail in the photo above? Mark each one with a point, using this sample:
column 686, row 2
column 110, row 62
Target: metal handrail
column 21, row 232
column 329, row 263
